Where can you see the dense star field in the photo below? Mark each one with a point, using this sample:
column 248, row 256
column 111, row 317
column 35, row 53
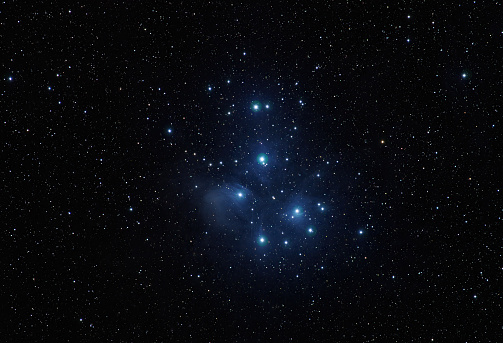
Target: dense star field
column 265, row 172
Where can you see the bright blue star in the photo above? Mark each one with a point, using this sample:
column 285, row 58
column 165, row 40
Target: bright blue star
column 311, row 231
column 262, row 159
column 240, row 194
column 255, row 106
column 297, row 212
column 262, row 240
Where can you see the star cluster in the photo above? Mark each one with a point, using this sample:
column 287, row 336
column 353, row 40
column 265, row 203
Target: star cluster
column 250, row 172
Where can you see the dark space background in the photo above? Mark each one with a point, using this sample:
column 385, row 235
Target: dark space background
column 129, row 132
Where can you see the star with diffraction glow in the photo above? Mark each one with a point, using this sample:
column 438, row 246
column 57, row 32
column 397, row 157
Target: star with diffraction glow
column 262, row 241
column 311, row 231
column 262, row 159
column 255, row 106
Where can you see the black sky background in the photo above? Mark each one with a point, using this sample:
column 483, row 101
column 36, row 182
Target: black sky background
column 106, row 238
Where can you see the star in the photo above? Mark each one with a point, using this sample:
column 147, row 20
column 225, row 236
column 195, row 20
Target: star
column 262, row 240
column 262, row 159
column 255, row 106
column 311, row 231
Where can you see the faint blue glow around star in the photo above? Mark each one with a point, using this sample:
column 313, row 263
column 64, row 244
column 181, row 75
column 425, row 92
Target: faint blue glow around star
column 130, row 209
column 262, row 159
column 466, row 74
column 286, row 242
column 360, row 232
column 10, row 78
column 262, row 240
column 255, row 106
column 228, row 81
column 297, row 212
column 311, row 231
column 209, row 88
column 240, row 194
column 266, row 106
column 170, row 130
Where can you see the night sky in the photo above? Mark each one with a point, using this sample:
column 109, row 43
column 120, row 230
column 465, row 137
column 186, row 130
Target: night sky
column 308, row 171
